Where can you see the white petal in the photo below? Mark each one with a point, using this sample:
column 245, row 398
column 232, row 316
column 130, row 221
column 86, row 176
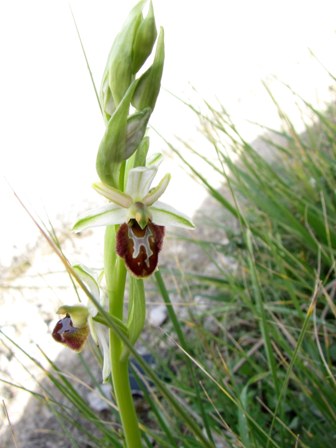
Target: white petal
column 99, row 334
column 154, row 194
column 165, row 215
column 114, row 195
column 104, row 216
column 103, row 342
column 139, row 181
column 93, row 332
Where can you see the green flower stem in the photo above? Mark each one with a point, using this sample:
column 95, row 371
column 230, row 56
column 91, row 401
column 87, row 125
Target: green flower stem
column 110, row 258
column 122, row 176
column 115, row 274
column 124, row 398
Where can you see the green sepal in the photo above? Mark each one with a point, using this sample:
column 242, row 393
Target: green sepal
column 79, row 314
column 136, row 312
column 111, row 151
column 144, row 40
column 149, row 84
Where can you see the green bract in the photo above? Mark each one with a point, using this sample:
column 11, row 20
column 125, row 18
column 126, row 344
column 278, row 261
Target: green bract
column 113, row 147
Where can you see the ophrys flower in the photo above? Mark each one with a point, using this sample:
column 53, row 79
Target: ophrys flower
column 74, row 329
column 141, row 215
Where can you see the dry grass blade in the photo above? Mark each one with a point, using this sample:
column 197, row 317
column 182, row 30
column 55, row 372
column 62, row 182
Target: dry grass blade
column 9, row 423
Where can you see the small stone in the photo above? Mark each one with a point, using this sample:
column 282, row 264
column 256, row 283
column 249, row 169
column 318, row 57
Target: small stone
column 157, row 316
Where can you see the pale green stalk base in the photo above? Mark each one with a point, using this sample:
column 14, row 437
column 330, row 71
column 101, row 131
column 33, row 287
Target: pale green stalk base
column 123, row 396
column 115, row 274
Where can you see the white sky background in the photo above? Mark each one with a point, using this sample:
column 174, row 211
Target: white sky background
column 51, row 126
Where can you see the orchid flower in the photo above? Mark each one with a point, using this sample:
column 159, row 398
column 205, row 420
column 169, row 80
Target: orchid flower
column 73, row 329
column 141, row 216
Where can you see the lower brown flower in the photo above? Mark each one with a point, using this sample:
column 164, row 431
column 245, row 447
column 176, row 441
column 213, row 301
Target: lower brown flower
column 140, row 247
column 73, row 337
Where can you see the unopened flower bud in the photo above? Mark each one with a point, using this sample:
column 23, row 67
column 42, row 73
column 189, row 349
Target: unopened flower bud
column 144, row 40
column 118, row 70
column 149, row 84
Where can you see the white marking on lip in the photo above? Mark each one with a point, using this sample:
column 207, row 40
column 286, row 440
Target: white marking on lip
column 141, row 241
